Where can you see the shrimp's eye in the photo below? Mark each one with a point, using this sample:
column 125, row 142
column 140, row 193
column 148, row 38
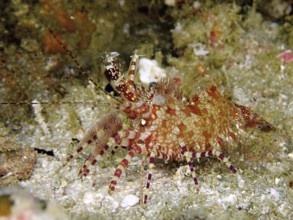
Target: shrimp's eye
column 153, row 84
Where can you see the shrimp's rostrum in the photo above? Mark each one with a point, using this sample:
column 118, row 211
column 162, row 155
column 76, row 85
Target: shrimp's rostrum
column 164, row 124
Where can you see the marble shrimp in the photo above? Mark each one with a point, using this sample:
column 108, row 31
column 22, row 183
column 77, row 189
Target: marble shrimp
column 164, row 124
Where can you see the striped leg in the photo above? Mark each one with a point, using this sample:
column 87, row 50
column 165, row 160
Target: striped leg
column 124, row 138
column 99, row 134
column 91, row 161
column 141, row 181
column 187, row 156
column 85, row 142
column 127, row 139
column 221, row 157
column 149, row 177
column 217, row 154
column 119, row 170
column 204, row 154
column 154, row 154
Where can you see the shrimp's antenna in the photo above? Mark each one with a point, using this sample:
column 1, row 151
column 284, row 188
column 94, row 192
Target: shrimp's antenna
column 68, row 52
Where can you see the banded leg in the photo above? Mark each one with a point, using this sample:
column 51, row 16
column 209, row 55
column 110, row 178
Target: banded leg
column 91, row 160
column 81, row 146
column 188, row 156
column 99, row 134
column 217, row 154
column 198, row 155
column 154, row 154
column 119, row 170
column 126, row 138
column 149, row 177
column 224, row 159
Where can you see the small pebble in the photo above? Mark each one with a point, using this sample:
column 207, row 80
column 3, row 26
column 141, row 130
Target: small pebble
column 149, row 71
column 129, row 200
column 275, row 193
